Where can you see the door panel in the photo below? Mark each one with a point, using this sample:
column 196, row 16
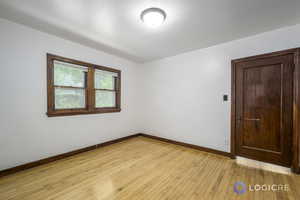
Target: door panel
column 264, row 95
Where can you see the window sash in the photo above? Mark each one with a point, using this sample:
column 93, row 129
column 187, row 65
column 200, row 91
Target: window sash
column 101, row 74
column 70, row 79
column 89, row 87
column 72, row 89
column 113, row 92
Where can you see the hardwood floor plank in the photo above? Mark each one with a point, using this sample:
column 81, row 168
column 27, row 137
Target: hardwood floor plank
column 143, row 168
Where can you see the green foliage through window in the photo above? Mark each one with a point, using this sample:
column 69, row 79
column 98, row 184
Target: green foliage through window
column 76, row 87
column 105, row 99
column 104, row 80
column 69, row 98
column 65, row 75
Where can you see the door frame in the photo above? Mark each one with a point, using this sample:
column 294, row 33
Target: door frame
column 296, row 103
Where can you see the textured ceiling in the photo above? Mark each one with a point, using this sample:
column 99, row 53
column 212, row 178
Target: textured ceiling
column 114, row 26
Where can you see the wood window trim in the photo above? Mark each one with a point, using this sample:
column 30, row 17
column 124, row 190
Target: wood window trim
column 296, row 103
column 90, row 90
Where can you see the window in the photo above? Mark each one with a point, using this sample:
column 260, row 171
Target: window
column 76, row 87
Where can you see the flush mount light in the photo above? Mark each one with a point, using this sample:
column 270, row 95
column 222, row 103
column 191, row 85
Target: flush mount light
column 153, row 17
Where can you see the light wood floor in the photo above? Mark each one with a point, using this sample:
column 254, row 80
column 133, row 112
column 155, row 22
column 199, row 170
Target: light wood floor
column 142, row 168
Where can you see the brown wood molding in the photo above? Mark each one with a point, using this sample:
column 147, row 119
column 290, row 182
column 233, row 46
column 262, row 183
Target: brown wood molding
column 61, row 156
column 72, row 153
column 93, row 147
column 223, row 153
column 296, row 102
column 266, row 55
column 296, row 114
column 90, row 90
column 232, row 114
column 296, row 170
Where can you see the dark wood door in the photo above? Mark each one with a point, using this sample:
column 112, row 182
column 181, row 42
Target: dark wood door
column 264, row 109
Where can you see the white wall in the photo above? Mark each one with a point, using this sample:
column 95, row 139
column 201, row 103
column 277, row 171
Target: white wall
column 178, row 97
column 26, row 133
column 183, row 94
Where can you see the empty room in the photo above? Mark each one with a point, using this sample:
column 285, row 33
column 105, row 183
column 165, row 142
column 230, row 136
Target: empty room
column 149, row 99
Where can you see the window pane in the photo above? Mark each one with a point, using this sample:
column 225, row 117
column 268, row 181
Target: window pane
column 66, row 74
column 69, row 98
column 105, row 99
column 105, row 80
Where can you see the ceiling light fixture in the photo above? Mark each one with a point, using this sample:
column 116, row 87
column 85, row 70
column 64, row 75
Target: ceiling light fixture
column 153, row 17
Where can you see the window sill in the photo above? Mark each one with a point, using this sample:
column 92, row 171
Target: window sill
column 82, row 112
